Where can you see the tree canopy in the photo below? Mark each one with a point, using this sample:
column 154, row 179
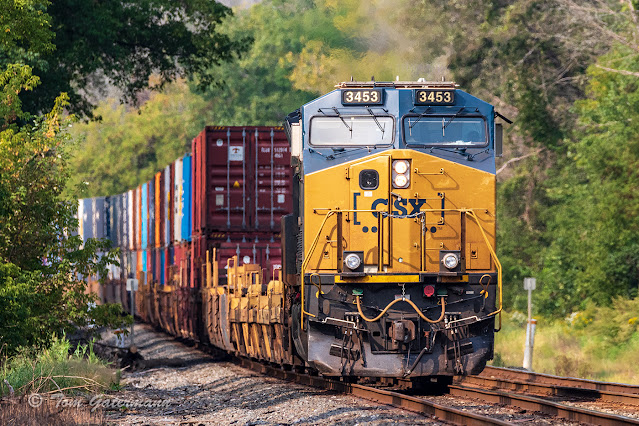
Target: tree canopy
column 77, row 47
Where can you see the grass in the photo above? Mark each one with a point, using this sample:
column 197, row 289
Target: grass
column 56, row 370
column 599, row 343
column 53, row 371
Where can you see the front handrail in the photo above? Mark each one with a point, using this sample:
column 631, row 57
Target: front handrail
column 471, row 213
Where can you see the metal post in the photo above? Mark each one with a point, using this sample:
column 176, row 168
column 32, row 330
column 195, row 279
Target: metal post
column 529, row 284
column 530, row 343
column 133, row 315
column 132, row 286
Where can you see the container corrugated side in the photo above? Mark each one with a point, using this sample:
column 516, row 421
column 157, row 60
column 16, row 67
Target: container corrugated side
column 151, row 213
column 144, row 217
column 272, row 178
column 168, row 205
column 187, row 194
column 178, row 200
column 98, row 218
column 159, row 209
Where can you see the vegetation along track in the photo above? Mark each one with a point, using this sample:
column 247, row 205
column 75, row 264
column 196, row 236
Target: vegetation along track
column 547, row 394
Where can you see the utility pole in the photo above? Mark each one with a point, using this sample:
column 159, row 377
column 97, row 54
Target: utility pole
column 529, row 284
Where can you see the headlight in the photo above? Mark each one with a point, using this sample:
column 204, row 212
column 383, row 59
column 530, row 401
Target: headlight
column 352, row 261
column 401, row 167
column 450, row 261
column 401, row 174
column 401, row 181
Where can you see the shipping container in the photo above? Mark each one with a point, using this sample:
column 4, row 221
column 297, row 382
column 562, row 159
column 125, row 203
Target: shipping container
column 178, row 199
column 242, row 179
column 98, row 217
column 84, row 213
column 168, row 206
column 131, row 219
column 151, row 213
column 144, row 211
column 187, row 194
column 159, row 209
column 273, row 176
column 123, row 228
column 266, row 254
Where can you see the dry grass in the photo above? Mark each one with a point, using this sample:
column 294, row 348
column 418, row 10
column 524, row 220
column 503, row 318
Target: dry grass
column 16, row 411
column 599, row 343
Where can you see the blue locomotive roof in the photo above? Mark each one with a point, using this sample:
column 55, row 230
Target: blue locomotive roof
column 399, row 101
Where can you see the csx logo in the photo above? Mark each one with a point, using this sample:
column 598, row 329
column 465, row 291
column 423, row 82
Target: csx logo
column 401, row 208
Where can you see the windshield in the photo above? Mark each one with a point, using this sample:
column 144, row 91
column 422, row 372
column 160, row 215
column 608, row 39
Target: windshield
column 352, row 130
column 445, row 131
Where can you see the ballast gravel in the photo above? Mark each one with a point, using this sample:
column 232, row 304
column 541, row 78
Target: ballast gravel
column 210, row 391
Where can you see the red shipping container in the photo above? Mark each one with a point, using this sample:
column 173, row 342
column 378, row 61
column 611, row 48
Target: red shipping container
column 264, row 253
column 139, row 218
column 272, row 179
column 242, row 179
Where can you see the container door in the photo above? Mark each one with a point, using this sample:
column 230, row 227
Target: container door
column 272, row 184
column 228, row 196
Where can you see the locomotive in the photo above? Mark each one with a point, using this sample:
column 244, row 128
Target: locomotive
column 384, row 265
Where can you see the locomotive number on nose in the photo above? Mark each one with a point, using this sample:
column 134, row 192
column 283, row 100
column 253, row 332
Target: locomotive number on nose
column 434, row 97
column 362, row 97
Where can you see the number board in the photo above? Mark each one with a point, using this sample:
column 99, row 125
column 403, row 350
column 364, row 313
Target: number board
column 362, row 97
column 434, row 97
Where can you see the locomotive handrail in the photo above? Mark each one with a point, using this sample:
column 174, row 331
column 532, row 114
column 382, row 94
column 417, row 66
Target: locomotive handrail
column 305, row 264
column 471, row 213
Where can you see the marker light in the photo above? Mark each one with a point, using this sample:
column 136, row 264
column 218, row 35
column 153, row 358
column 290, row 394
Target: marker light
column 450, row 261
column 401, row 181
column 352, row 261
column 401, row 167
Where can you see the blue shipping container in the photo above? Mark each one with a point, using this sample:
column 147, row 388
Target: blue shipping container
column 162, row 266
column 145, row 217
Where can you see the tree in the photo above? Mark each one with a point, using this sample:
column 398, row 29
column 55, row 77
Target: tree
column 114, row 42
column 594, row 254
column 128, row 146
column 40, row 290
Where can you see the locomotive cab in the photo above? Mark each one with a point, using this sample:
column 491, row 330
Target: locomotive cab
column 390, row 250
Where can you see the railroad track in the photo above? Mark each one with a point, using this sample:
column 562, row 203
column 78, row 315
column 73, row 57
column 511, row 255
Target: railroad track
column 534, row 391
column 544, row 381
column 448, row 413
column 395, row 399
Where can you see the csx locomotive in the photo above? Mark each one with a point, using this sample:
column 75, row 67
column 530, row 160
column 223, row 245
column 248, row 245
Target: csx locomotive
column 388, row 265
column 392, row 241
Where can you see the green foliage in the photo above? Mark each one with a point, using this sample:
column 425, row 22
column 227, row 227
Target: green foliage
column 39, row 259
column 56, row 368
column 25, row 29
column 128, row 147
column 596, row 343
column 594, row 255
column 111, row 41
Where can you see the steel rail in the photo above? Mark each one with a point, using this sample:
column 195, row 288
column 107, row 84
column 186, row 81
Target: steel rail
column 543, row 406
column 406, row 402
column 549, row 389
column 573, row 382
